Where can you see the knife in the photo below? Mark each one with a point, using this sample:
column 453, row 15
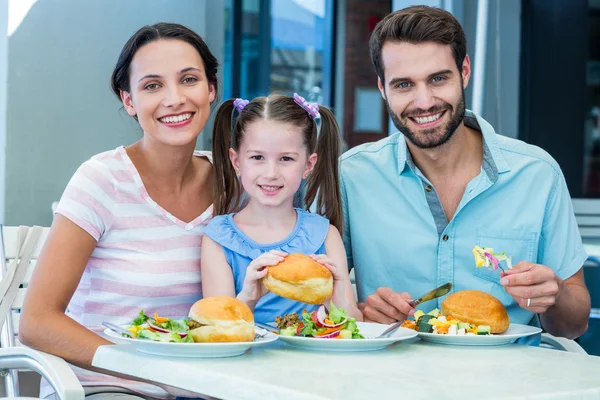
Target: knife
column 434, row 294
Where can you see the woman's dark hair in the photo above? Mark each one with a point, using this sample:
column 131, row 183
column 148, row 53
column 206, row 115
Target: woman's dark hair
column 418, row 24
column 150, row 33
column 323, row 184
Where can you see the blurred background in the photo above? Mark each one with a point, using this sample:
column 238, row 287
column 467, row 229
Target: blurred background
column 536, row 66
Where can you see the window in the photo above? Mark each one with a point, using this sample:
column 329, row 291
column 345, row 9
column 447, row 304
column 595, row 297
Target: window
column 282, row 46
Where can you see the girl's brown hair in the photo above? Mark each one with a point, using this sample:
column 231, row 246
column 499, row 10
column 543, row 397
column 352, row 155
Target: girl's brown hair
column 322, row 184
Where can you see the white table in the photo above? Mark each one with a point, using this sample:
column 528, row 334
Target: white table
column 402, row 371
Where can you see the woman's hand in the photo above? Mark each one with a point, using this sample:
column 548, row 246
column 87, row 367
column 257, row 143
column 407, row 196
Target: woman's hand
column 253, row 288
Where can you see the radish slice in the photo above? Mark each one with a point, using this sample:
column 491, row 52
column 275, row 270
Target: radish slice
column 330, row 335
column 322, row 316
column 163, row 330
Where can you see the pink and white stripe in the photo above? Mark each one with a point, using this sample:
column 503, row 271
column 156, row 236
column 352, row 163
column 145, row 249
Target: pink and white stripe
column 145, row 258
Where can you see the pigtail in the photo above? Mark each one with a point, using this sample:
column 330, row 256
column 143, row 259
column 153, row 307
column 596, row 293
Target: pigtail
column 324, row 182
column 227, row 189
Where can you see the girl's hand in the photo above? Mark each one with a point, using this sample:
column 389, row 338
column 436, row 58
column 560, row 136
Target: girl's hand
column 253, row 288
column 329, row 264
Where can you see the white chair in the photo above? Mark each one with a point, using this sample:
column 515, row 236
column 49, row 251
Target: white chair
column 13, row 355
column 560, row 343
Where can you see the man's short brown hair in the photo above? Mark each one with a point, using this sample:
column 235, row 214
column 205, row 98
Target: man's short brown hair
column 418, row 24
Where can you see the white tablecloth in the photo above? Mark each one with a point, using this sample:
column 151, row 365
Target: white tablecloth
column 403, row 371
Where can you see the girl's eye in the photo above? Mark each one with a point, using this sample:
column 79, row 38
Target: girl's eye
column 257, row 158
column 190, row 79
column 151, row 86
column 286, row 158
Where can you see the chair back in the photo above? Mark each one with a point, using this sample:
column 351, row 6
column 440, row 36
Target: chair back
column 8, row 251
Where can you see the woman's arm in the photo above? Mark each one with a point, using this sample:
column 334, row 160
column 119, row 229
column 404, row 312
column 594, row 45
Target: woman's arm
column 343, row 294
column 57, row 274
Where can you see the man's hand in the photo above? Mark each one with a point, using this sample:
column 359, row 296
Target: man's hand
column 535, row 287
column 386, row 306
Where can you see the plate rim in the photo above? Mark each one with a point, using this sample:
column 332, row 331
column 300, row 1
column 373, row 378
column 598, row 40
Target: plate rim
column 535, row 331
column 268, row 338
column 410, row 334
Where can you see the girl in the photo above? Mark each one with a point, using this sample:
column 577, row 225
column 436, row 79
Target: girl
column 128, row 227
column 275, row 145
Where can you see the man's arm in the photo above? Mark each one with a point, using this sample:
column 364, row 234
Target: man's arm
column 554, row 287
column 563, row 305
column 569, row 315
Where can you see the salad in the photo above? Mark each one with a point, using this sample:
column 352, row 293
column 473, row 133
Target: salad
column 485, row 257
column 320, row 324
column 434, row 322
column 160, row 329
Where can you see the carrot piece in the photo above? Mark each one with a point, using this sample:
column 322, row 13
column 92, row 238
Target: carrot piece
column 159, row 320
column 330, row 330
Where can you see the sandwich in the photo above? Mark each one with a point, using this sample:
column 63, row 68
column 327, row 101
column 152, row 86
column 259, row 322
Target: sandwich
column 477, row 308
column 299, row 277
column 221, row 319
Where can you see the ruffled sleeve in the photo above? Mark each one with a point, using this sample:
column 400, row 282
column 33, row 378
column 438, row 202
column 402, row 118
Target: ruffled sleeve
column 222, row 231
column 307, row 238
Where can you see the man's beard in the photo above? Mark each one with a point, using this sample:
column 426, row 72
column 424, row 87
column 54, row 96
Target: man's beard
column 434, row 137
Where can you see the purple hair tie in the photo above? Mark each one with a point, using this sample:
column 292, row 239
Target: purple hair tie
column 239, row 104
column 311, row 108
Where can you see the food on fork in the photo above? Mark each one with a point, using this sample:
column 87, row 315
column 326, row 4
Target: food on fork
column 299, row 277
column 221, row 319
column 320, row 324
column 485, row 257
column 467, row 312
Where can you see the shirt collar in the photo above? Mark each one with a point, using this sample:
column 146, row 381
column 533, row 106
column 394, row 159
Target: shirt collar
column 494, row 162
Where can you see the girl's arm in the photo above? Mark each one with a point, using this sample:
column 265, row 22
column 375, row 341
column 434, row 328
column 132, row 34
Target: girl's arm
column 56, row 277
column 217, row 277
column 343, row 294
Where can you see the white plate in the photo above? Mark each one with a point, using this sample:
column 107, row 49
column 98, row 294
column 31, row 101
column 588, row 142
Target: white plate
column 514, row 332
column 193, row 350
column 370, row 343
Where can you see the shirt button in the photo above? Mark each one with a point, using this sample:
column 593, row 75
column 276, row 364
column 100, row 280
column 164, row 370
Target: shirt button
column 428, row 188
column 445, row 238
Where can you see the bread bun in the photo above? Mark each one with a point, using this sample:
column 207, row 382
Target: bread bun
column 299, row 277
column 477, row 308
column 221, row 319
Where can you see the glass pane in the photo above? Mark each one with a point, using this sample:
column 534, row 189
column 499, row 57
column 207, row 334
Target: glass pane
column 591, row 166
column 298, row 44
column 286, row 47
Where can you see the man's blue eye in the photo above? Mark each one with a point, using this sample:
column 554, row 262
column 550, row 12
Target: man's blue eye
column 438, row 79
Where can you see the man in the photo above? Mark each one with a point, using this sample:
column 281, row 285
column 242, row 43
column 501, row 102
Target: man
column 417, row 202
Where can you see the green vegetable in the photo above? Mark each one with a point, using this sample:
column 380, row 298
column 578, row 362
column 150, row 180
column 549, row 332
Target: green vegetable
column 140, row 319
column 336, row 315
column 483, row 330
column 423, row 324
column 289, row 331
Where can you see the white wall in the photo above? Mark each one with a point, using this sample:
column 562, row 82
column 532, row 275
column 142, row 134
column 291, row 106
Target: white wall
column 60, row 107
column 3, row 78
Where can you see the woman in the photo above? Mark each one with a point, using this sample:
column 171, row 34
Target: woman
column 128, row 228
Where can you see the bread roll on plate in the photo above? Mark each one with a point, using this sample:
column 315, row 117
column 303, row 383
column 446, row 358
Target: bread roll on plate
column 299, row 277
column 221, row 319
column 477, row 308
